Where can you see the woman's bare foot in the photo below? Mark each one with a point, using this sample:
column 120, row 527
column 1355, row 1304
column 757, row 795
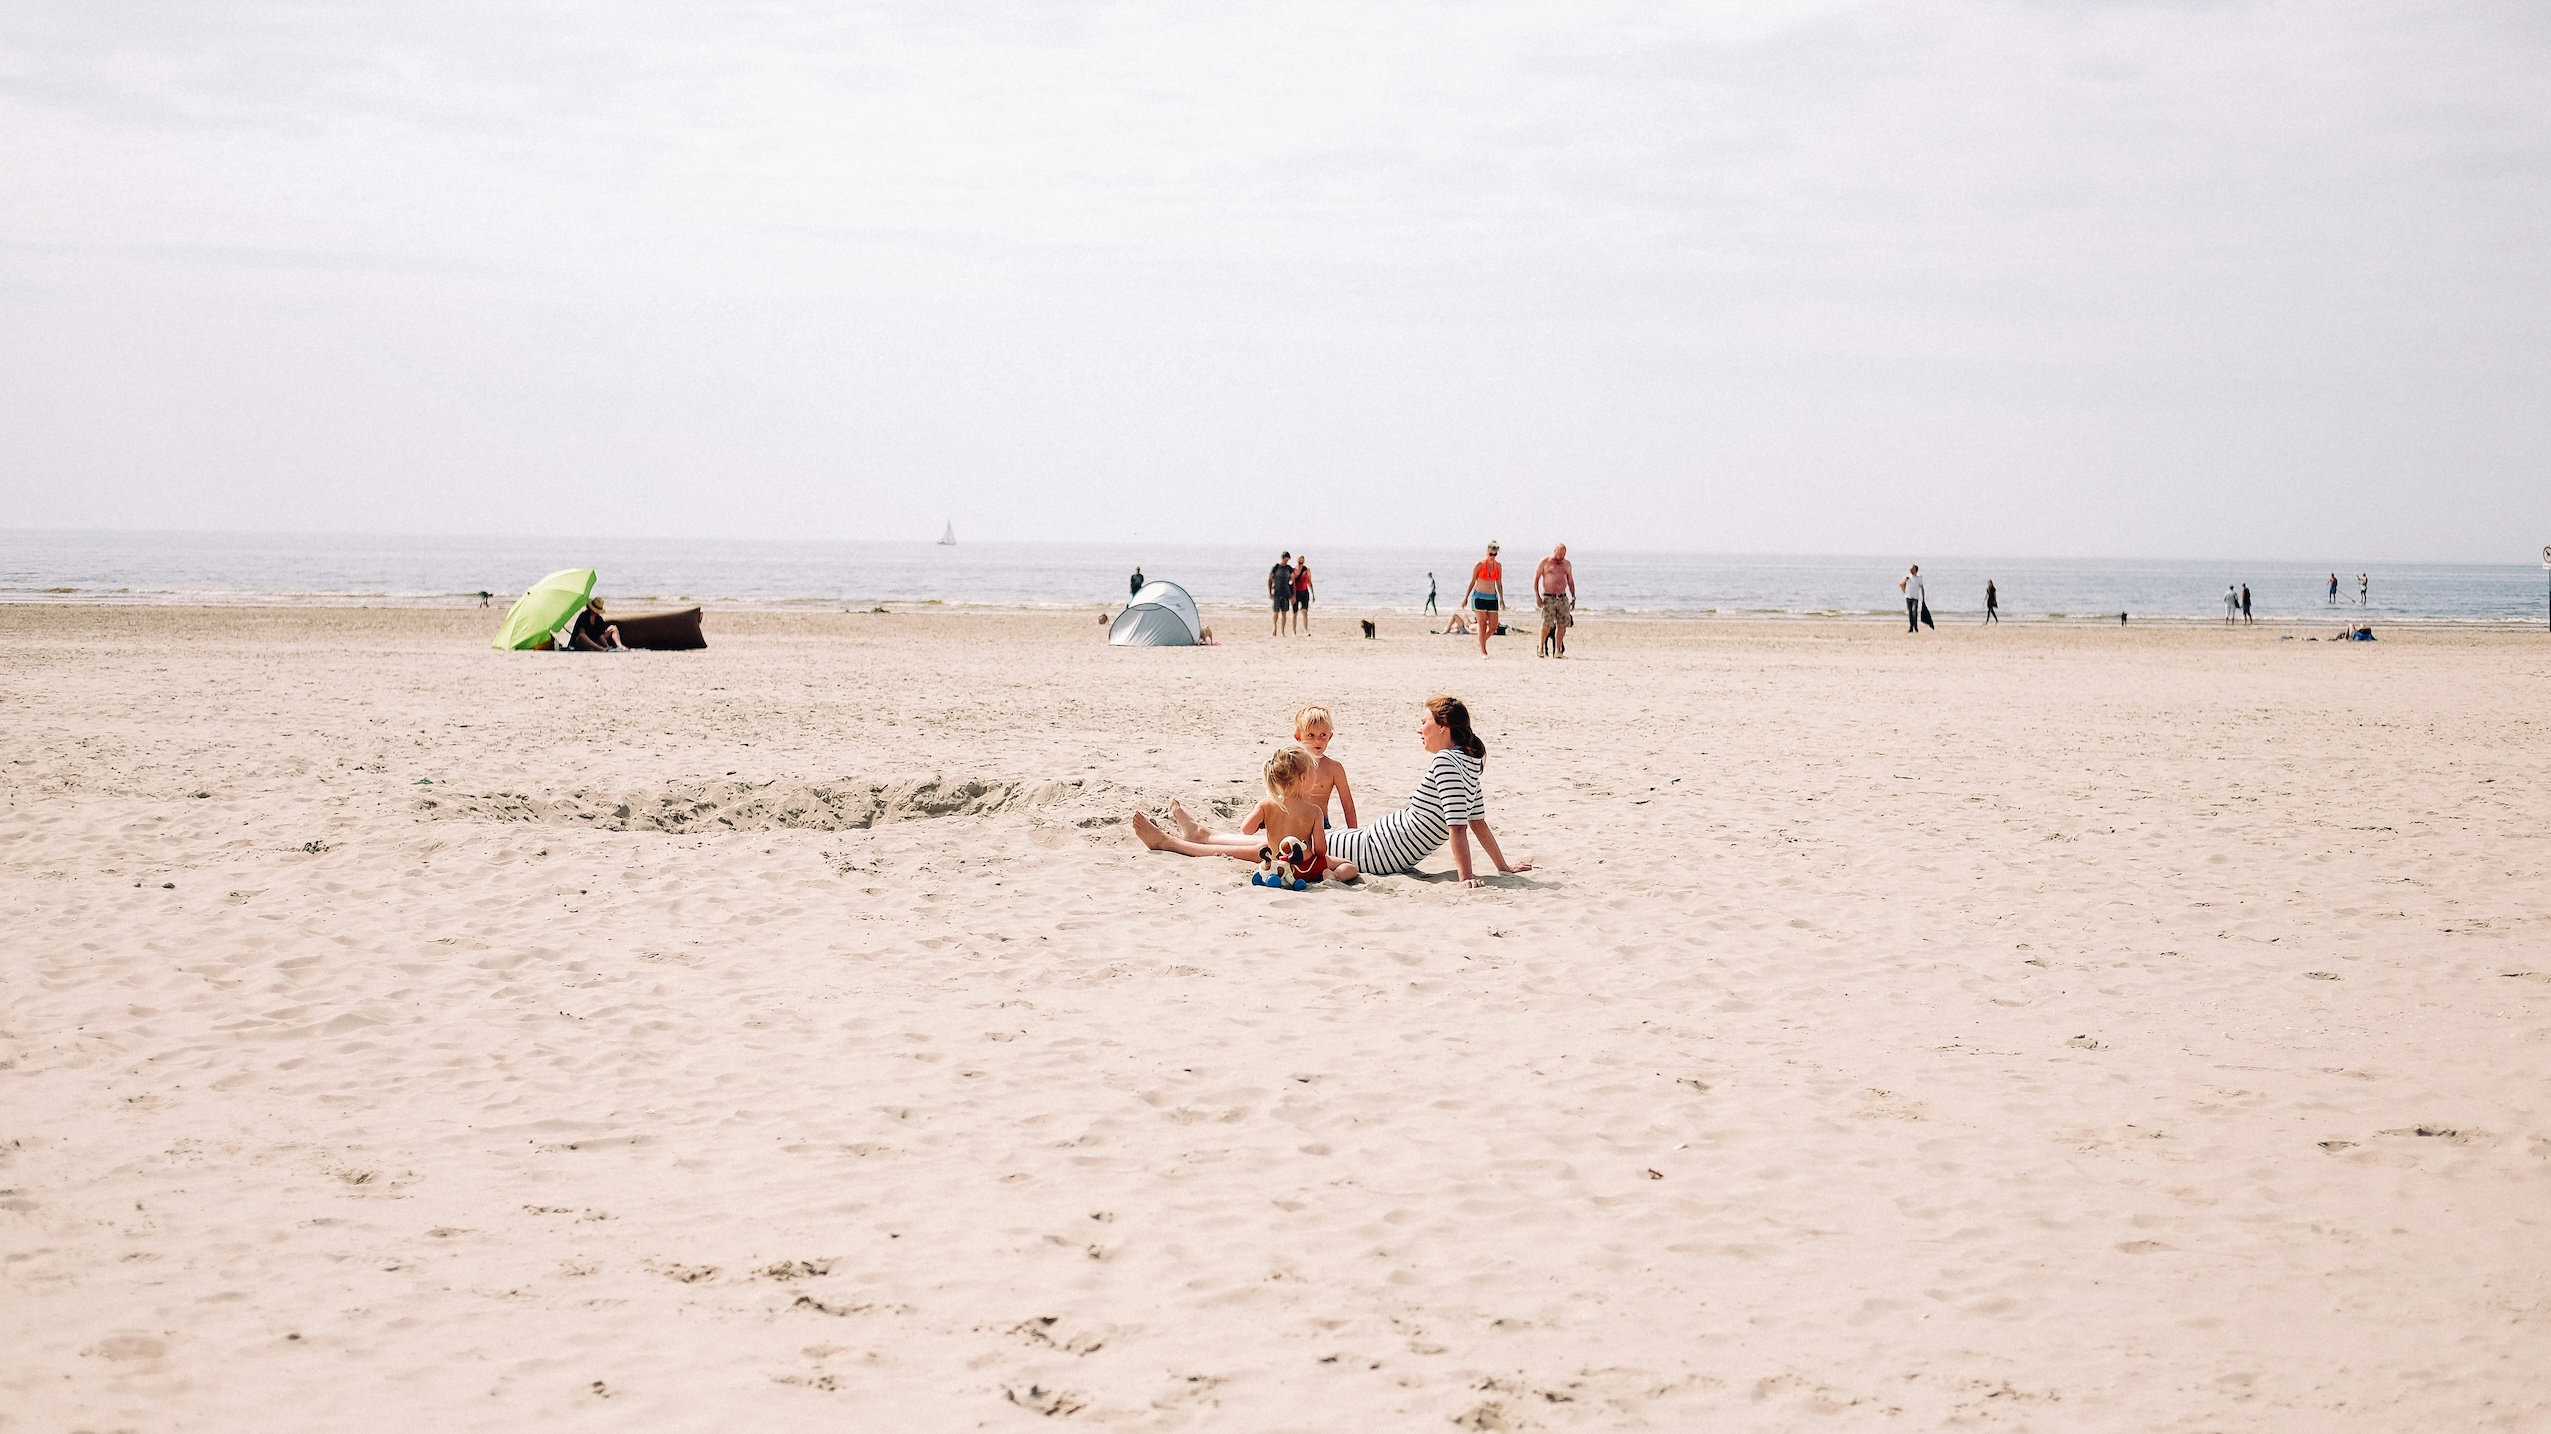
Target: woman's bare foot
column 1150, row 833
column 1188, row 827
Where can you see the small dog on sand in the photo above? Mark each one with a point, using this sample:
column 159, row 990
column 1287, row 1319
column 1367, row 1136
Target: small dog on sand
column 1368, row 627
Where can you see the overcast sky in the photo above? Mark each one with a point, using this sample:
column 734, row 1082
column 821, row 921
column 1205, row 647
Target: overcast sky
column 2168, row 280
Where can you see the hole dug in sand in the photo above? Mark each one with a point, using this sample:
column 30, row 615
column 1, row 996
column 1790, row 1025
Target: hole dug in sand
column 851, row 804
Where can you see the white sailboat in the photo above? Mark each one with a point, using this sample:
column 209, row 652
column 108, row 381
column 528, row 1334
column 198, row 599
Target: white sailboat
column 948, row 539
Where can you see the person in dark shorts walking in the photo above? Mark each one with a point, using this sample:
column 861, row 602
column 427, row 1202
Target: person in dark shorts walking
column 1280, row 592
column 1430, row 593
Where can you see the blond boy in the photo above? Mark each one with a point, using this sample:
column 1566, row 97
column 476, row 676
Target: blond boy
column 1313, row 729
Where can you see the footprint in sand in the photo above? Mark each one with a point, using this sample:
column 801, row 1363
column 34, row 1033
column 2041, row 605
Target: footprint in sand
column 1052, row 1403
column 124, row 1347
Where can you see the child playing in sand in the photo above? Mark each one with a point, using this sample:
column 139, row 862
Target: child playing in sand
column 1312, row 728
column 1287, row 812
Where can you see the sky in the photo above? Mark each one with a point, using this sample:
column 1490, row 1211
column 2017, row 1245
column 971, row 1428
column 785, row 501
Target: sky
column 2187, row 279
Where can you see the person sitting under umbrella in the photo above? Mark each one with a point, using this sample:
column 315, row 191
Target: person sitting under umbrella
column 592, row 633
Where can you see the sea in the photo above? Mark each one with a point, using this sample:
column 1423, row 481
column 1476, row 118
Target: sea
column 352, row 570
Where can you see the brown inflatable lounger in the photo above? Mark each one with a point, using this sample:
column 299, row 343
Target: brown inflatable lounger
column 662, row 631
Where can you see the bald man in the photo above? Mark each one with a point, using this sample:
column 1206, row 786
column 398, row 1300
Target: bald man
column 1554, row 586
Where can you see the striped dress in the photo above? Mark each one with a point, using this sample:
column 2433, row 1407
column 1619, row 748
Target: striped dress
column 1398, row 841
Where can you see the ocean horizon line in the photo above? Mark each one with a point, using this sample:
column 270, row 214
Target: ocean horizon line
column 173, row 568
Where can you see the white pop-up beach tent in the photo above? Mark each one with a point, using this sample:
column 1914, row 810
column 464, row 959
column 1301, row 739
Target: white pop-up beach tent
column 1161, row 615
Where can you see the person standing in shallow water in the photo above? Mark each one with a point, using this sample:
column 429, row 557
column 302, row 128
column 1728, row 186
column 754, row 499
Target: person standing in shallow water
column 1992, row 602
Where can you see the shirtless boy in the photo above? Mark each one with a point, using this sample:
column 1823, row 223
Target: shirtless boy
column 1312, row 728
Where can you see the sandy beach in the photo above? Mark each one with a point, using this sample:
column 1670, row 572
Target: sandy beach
column 2037, row 1028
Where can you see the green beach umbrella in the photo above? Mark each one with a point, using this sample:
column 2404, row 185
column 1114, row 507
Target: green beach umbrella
column 544, row 609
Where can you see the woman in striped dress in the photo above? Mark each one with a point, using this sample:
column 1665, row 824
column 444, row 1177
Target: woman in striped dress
column 1448, row 804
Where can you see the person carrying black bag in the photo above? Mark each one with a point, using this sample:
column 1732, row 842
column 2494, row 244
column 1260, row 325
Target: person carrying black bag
column 1917, row 613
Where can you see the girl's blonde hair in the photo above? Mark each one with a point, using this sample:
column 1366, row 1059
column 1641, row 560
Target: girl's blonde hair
column 1312, row 717
column 1286, row 767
